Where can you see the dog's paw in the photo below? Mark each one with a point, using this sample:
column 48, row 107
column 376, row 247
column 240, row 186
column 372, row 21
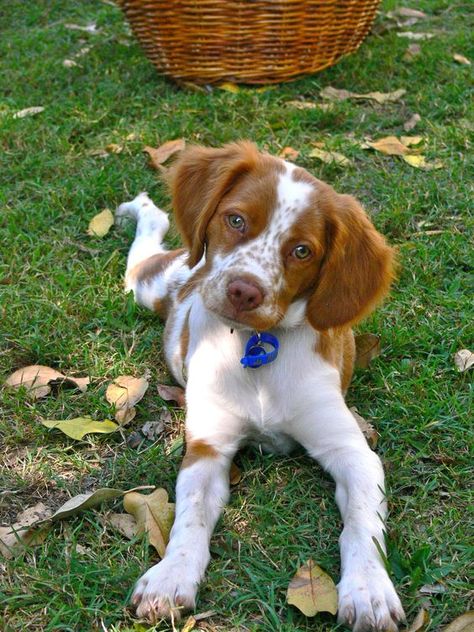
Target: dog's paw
column 368, row 602
column 165, row 591
column 142, row 206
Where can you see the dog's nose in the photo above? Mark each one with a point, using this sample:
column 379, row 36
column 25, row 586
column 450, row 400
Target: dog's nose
column 244, row 295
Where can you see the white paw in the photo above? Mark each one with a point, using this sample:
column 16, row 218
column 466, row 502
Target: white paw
column 165, row 590
column 368, row 601
column 142, row 206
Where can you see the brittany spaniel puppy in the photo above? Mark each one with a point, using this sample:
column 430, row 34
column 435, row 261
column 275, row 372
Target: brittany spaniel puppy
column 259, row 308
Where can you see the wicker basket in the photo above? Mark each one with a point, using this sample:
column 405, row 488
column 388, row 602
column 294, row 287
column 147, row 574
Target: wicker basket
column 248, row 41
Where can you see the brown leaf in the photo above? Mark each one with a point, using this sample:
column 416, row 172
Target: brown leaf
column 461, row 59
column 412, row 122
column 113, row 148
column 161, row 154
column 288, row 153
column 122, row 522
column 390, row 145
column 334, row 94
column 367, row 348
column 330, row 157
column 124, row 392
column 26, row 531
column 38, row 379
column 464, row 359
column 420, row 622
column 79, row 503
column 172, row 394
column 101, row 223
column 367, row 428
column 154, row 516
column 235, row 474
column 311, row 590
column 432, row 589
column 464, row 623
column 153, row 429
column 412, row 52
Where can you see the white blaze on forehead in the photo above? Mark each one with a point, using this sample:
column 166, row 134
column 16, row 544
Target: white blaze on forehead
column 292, row 194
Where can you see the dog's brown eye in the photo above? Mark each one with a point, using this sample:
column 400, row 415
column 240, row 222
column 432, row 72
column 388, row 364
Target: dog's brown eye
column 301, row 252
column 236, row 221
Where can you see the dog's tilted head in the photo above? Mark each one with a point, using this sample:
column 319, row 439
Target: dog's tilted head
column 273, row 235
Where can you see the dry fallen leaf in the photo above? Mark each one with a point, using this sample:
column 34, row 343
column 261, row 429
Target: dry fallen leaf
column 113, row 148
column 228, row 86
column 235, row 475
column 409, row 141
column 367, row 428
column 390, row 145
column 172, row 394
column 122, row 522
column 302, row 105
column 28, row 112
column 461, row 59
column 153, row 429
column 367, row 348
column 38, row 379
column 25, row 531
column 433, row 589
column 464, row 623
column 69, row 63
column 412, row 122
column 161, row 154
column 154, row 516
column 311, row 590
column 419, row 162
column 416, row 37
column 420, row 622
column 79, row 426
column 89, row 28
column 85, row 501
column 464, row 359
column 189, row 625
column 101, row 223
column 406, row 12
column 412, row 52
column 334, row 94
column 124, row 392
column 329, row 157
column 288, row 153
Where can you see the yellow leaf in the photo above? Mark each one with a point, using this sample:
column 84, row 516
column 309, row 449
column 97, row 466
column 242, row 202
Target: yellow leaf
column 464, row 360
column 409, row 141
column 311, row 590
column 189, row 624
column 154, row 516
column 390, row 145
column 461, row 59
column 113, row 148
column 329, row 156
column 464, row 623
column 79, row 426
column 419, row 162
column 161, row 154
column 367, row 428
column 367, row 348
column 37, row 380
column 229, row 87
column 101, row 223
column 288, row 153
column 25, row 531
column 420, row 622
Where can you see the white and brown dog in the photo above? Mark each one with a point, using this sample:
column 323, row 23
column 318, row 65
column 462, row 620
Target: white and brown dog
column 273, row 253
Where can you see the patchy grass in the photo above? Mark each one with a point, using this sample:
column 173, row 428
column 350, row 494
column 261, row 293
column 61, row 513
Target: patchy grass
column 61, row 304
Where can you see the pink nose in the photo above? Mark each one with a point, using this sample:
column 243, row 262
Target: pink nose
column 244, row 295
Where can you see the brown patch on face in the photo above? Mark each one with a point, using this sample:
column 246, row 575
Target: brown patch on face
column 337, row 347
column 149, row 268
column 196, row 450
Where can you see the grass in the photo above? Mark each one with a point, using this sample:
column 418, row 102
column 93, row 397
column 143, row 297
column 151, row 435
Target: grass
column 61, row 304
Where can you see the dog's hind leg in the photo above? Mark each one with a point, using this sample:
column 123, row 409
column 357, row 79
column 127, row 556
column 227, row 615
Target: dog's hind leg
column 151, row 267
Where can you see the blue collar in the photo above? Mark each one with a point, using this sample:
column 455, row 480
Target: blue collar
column 255, row 353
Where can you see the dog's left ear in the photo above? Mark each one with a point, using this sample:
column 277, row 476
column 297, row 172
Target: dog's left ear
column 357, row 269
column 199, row 179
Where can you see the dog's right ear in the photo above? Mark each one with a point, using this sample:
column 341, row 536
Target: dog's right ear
column 199, row 179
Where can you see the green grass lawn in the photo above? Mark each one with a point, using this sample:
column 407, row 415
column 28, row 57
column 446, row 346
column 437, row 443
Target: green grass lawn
column 62, row 304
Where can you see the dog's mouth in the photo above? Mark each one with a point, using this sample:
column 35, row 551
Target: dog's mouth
column 247, row 320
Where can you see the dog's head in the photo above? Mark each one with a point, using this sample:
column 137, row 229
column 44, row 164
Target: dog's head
column 275, row 237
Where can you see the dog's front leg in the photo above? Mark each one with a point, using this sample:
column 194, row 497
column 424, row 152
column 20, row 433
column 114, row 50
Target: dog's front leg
column 367, row 598
column 201, row 492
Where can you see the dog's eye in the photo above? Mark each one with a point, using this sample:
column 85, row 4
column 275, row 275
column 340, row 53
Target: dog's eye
column 301, row 252
column 236, row 222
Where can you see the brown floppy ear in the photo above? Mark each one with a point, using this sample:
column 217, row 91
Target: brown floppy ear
column 199, row 179
column 357, row 269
